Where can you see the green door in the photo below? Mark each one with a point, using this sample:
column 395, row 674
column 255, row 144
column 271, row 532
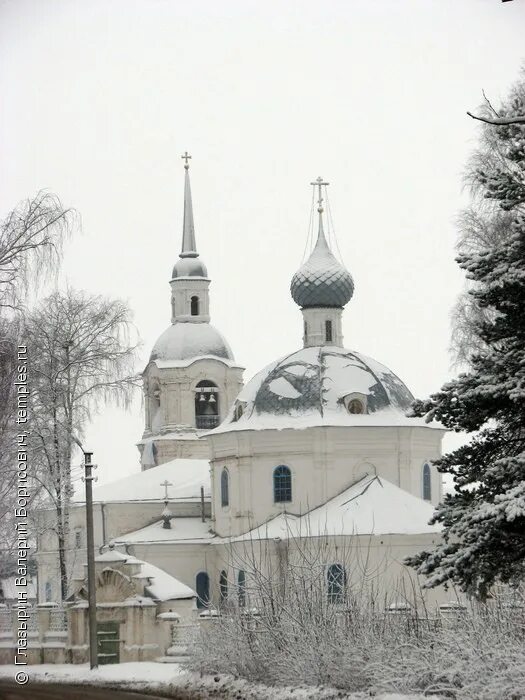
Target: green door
column 108, row 642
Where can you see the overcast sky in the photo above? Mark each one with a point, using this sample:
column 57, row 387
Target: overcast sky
column 100, row 98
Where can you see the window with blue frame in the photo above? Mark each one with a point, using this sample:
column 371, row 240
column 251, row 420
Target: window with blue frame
column 282, row 484
column 202, row 586
column 225, row 488
column 427, row 483
column 336, row 580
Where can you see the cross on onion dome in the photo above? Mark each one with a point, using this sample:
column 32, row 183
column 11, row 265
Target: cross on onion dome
column 186, row 156
column 319, row 183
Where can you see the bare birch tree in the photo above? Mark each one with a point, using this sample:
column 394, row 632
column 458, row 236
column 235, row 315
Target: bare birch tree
column 31, row 241
column 82, row 357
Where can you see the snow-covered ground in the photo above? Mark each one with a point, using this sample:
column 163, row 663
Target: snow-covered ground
column 170, row 680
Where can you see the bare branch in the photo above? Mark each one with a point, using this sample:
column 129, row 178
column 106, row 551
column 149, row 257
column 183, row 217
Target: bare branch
column 498, row 121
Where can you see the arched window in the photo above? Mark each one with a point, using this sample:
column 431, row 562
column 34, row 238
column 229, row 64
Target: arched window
column 47, row 592
column 282, row 484
column 225, row 488
column 239, row 410
column 206, row 405
column 202, row 586
column 305, row 330
column 155, row 414
column 328, row 331
column 195, row 306
column 241, row 587
column 336, row 580
column 223, row 586
column 427, row 483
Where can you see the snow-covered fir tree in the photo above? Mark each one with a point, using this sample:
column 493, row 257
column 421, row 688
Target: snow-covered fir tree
column 484, row 519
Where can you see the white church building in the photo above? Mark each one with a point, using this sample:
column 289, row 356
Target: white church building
column 317, row 447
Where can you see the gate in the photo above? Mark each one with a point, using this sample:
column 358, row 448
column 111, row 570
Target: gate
column 108, row 643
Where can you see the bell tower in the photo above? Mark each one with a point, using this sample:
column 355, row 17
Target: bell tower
column 191, row 379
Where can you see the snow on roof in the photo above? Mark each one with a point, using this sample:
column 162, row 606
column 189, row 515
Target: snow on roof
column 161, row 585
column 112, row 555
column 164, row 586
column 307, row 388
column 182, row 530
column 193, row 434
column 372, row 506
column 169, row 364
column 184, row 341
column 186, row 475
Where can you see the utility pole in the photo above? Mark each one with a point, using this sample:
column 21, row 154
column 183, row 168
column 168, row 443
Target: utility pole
column 92, row 600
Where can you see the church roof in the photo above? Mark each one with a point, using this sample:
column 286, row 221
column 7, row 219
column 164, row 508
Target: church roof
column 372, row 506
column 186, row 476
column 308, row 388
column 160, row 584
column 184, row 341
column 164, row 586
column 183, row 530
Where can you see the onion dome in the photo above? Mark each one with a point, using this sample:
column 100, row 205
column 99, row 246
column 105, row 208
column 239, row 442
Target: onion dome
column 322, row 281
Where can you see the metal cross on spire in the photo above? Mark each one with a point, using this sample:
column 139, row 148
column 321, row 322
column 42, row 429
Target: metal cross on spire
column 319, row 183
column 166, row 483
column 186, row 156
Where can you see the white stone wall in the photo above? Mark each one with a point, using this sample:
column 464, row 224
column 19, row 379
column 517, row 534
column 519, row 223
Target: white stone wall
column 373, row 565
column 110, row 520
column 323, row 460
column 182, row 560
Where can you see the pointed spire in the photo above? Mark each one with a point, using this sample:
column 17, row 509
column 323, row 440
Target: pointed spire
column 189, row 247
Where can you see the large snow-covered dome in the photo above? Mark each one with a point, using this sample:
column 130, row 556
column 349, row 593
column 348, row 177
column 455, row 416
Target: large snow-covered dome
column 314, row 386
column 183, row 341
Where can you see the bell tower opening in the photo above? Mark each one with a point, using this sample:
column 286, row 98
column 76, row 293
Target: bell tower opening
column 194, row 306
column 206, row 405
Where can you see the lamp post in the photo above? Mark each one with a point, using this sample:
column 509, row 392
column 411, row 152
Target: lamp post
column 90, row 544
column 92, row 600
